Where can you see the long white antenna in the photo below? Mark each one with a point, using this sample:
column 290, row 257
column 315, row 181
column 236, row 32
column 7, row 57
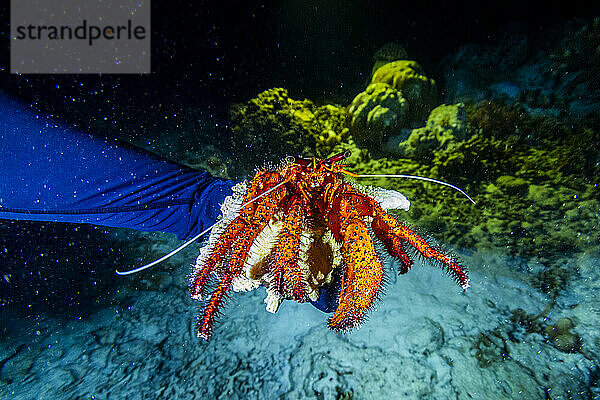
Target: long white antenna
column 163, row 258
column 421, row 178
column 192, row 240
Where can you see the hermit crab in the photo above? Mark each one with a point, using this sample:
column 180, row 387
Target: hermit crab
column 292, row 227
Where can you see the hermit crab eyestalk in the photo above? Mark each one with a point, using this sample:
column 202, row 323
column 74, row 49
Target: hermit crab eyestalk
column 299, row 160
column 338, row 157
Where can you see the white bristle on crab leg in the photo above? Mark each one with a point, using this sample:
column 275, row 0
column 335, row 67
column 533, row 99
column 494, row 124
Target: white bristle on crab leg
column 306, row 241
column 259, row 250
column 230, row 209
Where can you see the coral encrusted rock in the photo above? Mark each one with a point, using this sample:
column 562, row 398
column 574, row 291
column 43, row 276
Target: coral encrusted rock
column 408, row 77
column 387, row 53
column 446, row 124
column 272, row 125
column 377, row 112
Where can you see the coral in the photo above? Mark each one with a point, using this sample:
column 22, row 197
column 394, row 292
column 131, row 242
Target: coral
column 273, row 125
column 497, row 344
column 524, row 177
column 496, row 119
column 399, row 96
column 344, row 395
column 332, row 122
column 387, row 53
column 377, row 112
column 531, row 322
column 445, row 125
column 494, row 345
column 407, row 76
column 512, row 186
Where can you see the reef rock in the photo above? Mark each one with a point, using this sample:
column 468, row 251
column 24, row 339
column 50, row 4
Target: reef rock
column 378, row 111
column 399, row 96
column 272, row 125
column 407, row 76
column 387, row 53
column 471, row 71
column 446, row 124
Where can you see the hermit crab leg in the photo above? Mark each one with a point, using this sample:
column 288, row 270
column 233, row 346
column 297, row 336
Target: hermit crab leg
column 383, row 222
column 396, row 247
column 225, row 242
column 286, row 252
column 255, row 218
column 362, row 277
column 228, row 236
column 240, row 251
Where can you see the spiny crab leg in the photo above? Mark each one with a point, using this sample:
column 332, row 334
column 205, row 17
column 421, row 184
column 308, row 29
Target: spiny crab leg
column 226, row 240
column 396, row 247
column 361, row 281
column 230, row 233
column 240, row 250
column 384, row 222
column 363, row 274
column 286, row 253
column 254, row 218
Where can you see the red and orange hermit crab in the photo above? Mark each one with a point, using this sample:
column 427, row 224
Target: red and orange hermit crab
column 291, row 227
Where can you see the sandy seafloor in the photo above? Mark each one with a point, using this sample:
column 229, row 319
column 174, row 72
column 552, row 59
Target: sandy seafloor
column 420, row 341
